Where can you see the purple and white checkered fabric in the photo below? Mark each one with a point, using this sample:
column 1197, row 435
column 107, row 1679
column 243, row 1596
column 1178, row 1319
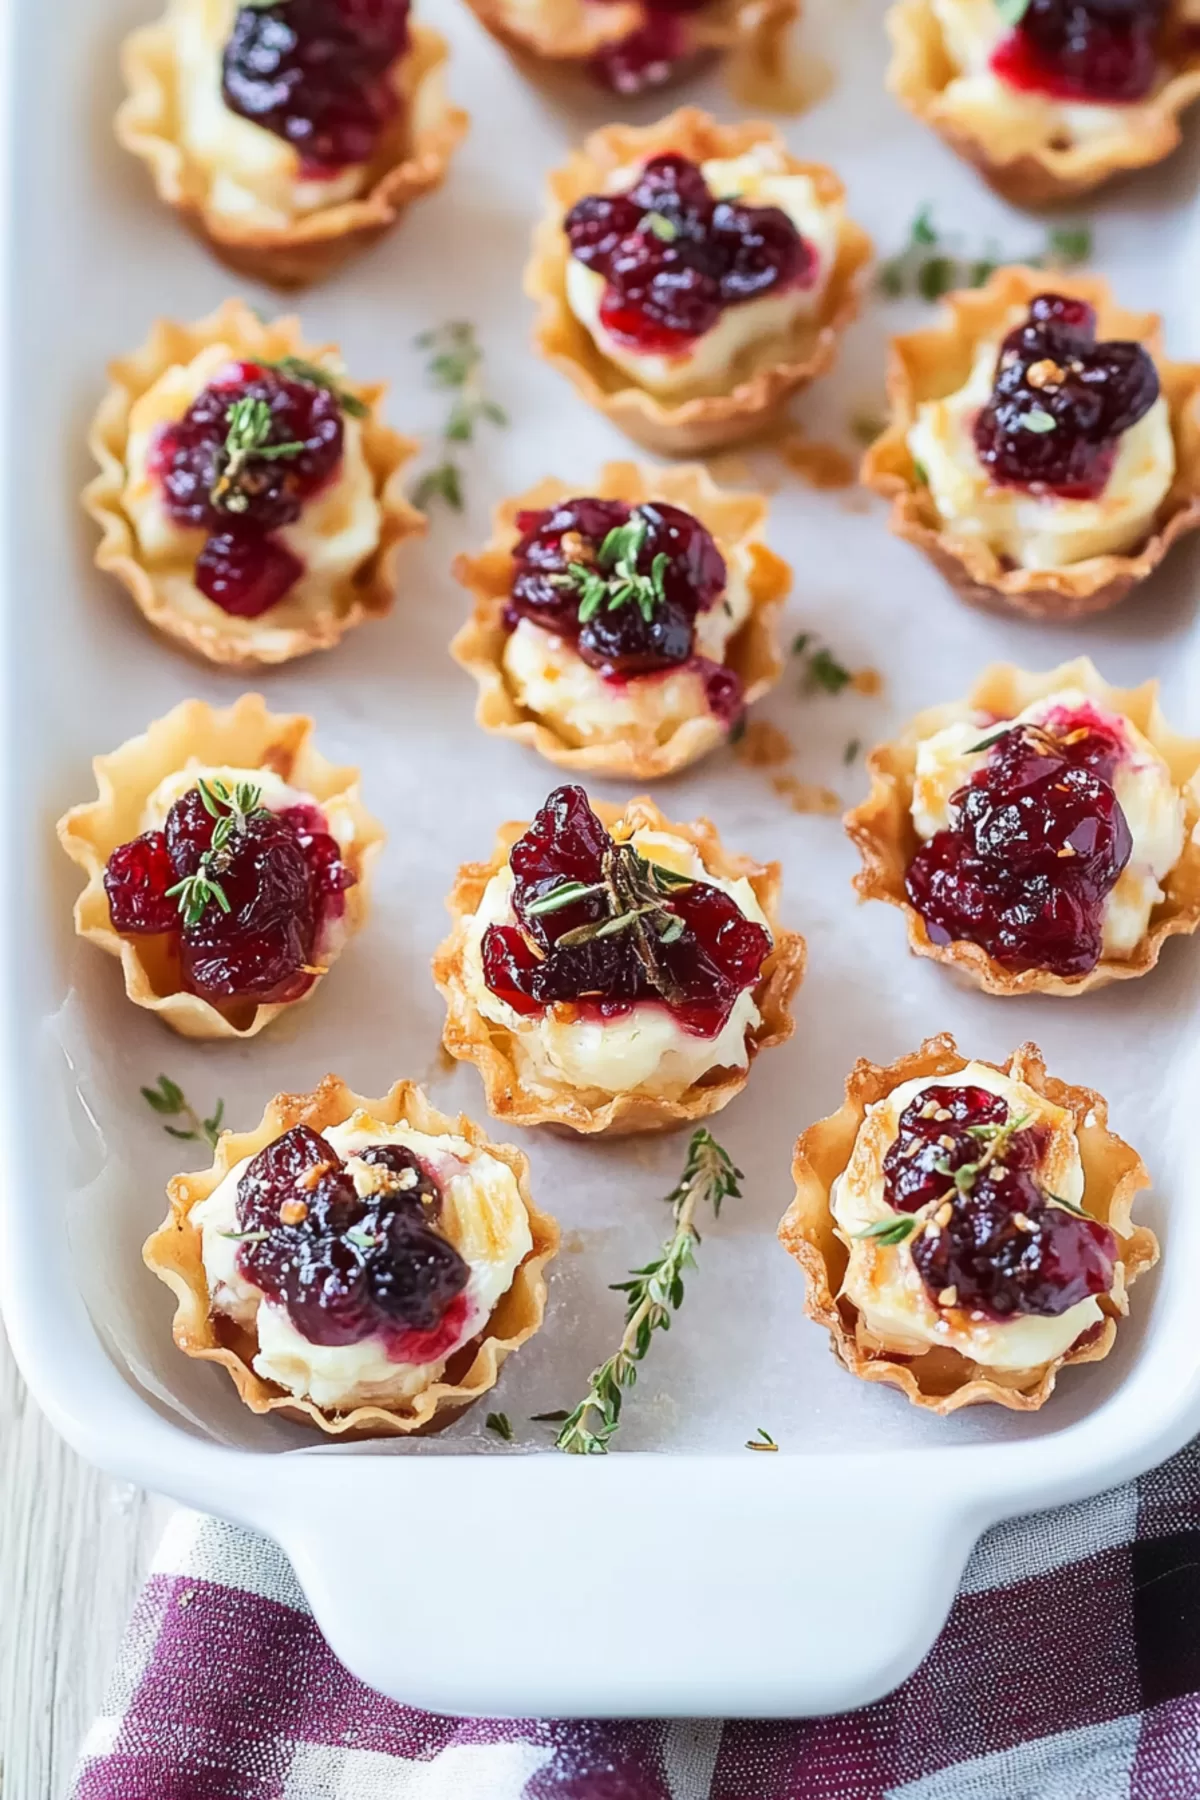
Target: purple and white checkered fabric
column 1069, row 1670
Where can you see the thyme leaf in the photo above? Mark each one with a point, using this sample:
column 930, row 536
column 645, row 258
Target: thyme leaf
column 168, row 1099
column 762, row 1441
column 614, row 580
column 232, row 809
column 652, row 1293
column 896, row 1229
column 499, row 1423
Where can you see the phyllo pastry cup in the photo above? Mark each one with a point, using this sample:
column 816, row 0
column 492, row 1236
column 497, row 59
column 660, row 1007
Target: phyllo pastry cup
column 469, row 1036
column 565, row 36
column 766, row 375
column 175, row 1253
column 941, row 1378
column 937, row 361
column 1059, row 169
column 882, row 827
column 297, row 624
column 648, row 750
column 196, row 736
column 411, row 159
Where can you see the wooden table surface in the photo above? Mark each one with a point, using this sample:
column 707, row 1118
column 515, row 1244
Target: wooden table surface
column 74, row 1546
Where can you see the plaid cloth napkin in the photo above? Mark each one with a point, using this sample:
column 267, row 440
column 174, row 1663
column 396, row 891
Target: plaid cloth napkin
column 1069, row 1670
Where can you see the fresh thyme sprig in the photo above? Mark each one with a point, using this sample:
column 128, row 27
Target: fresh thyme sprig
column 933, row 262
column 316, row 375
column 167, row 1098
column 501, row 1424
column 653, row 1293
column 232, row 809
column 614, row 580
column 248, row 430
column 897, row 1228
column 822, row 671
column 455, row 363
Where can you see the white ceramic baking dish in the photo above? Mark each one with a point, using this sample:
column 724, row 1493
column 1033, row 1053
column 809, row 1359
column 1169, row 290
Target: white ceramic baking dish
column 681, row 1574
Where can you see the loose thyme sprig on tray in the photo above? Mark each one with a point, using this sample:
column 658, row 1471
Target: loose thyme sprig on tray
column 455, row 362
column 232, row 810
column 169, row 1099
column 933, row 262
column 654, row 1292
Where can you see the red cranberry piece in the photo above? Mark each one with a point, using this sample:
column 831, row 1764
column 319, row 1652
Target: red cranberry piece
column 722, row 689
column 1097, row 50
column 566, row 841
column 315, row 73
column 646, row 58
column 508, row 967
column 136, row 881
column 244, row 573
column 673, row 257
column 345, row 1268
column 1059, row 430
column 921, row 1160
column 1037, row 845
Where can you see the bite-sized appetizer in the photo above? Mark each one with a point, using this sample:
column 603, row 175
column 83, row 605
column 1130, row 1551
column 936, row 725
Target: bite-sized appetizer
column 630, row 46
column 250, row 497
column 612, row 971
column 965, row 1228
column 288, row 135
column 691, row 277
column 626, row 629
column 1047, row 98
column 364, row 1266
column 1040, row 835
column 227, row 865
column 1041, row 451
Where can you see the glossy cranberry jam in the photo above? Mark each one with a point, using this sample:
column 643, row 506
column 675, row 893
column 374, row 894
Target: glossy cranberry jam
column 346, row 1267
column 247, row 917
column 316, row 73
column 623, row 585
column 1106, row 51
column 1061, row 401
column 674, row 256
column 600, row 928
column 1037, row 844
column 652, row 54
column 1004, row 1250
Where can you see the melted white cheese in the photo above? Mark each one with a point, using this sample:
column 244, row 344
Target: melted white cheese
column 895, row 1307
column 1008, row 119
column 643, row 1051
column 760, row 178
column 253, row 177
column 482, row 1215
column 338, row 528
column 1152, row 804
column 1039, row 531
column 550, row 679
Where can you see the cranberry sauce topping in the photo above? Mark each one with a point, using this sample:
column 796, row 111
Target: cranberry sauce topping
column 345, row 1265
column 1037, row 844
column 1100, row 50
column 250, row 450
column 650, row 55
column 1061, row 401
column 673, row 256
column 246, row 893
column 315, row 72
column 600, row 926
column 992, row 1243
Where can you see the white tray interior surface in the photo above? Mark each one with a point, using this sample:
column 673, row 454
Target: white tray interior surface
column 771, row 1563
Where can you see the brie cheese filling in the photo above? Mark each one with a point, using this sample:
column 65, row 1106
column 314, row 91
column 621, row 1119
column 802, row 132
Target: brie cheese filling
column 895, row 1308
column 483, row 1216
column 710, row 362
column 338, row 529
column 549, row 678
column 1152, row 804
column 1008, row 119
column 642, row 1051
column 254, row 178
column 1038, row 531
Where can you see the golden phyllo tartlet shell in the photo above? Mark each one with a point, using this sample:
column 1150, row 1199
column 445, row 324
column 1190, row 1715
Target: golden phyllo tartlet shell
column 882, row 828
column 411, row 159
column 942, row 1379
column 921, row 70
column 470, row 1037
column 175, row 1253
column 566, row 34
column 292, row 627
column 937, row 361
column 752, row 653
column 243, row 736
column 768, row 376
